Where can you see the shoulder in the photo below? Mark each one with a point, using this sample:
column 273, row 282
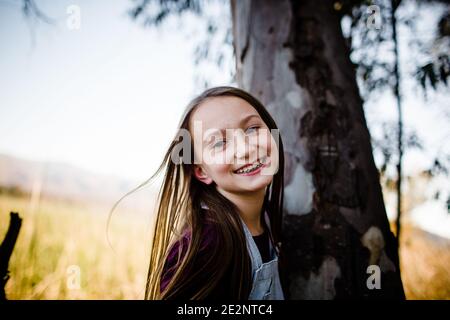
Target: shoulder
column 209, row 238
column 208, row 245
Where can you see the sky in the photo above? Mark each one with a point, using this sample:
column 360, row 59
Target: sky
column 107, row 96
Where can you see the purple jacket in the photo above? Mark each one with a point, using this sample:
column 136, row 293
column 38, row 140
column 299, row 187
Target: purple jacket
column 209, row 244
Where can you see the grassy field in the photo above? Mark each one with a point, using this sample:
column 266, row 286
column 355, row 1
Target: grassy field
column 425, row 264
column 62, row 253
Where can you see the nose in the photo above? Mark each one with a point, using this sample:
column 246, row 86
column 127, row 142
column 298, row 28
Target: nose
column 243, row 146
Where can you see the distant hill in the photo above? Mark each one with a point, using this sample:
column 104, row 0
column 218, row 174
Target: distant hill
column 69, row 182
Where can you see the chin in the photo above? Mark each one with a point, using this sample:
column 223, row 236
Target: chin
column 256, row 185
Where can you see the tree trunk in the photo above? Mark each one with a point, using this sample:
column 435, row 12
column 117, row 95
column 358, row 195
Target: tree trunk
column 394, row 6
column 293, row 57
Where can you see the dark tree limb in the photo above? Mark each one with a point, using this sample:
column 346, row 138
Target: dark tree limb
column 6, row 249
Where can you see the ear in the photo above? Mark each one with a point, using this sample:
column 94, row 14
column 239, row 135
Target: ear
column 201, row 175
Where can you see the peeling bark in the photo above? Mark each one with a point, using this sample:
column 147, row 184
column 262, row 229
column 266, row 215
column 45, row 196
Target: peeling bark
column 293, row 57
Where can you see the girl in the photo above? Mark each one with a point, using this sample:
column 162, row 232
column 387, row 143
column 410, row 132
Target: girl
column 217, row 229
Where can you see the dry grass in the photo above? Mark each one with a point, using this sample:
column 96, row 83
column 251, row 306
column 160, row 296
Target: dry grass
column 425, row 263
column 60, row 234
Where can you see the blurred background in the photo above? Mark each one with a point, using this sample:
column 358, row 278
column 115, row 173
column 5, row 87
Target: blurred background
column 92, row 92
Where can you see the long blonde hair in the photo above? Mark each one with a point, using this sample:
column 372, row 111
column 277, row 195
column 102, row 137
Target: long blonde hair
column 179, row 208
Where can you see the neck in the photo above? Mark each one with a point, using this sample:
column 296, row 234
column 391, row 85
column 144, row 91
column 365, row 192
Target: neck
column 250, row 207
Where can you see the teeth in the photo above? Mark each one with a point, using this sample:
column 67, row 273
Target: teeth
column 255, row 166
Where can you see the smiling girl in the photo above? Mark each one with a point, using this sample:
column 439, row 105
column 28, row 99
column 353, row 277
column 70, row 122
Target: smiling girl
column 218, row 221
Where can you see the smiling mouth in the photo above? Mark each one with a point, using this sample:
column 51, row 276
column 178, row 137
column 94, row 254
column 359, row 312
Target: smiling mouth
column 248, row 168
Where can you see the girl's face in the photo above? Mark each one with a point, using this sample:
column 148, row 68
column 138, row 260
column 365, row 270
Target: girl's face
column 233, row 147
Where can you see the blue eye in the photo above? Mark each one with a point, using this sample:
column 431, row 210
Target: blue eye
column 252, row 129
column 219, row 144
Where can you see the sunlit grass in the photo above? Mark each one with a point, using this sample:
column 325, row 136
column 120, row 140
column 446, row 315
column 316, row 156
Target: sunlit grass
column 425, row 265
column 60, row 234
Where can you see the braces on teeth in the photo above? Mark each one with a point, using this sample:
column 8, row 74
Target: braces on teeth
column 250, row 169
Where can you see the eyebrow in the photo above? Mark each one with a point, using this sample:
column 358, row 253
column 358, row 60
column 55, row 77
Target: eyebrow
column 223, row 131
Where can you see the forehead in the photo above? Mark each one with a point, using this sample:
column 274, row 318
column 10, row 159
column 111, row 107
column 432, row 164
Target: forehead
column 222, row 112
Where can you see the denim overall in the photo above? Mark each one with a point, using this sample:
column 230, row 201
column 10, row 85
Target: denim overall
column 266, row 283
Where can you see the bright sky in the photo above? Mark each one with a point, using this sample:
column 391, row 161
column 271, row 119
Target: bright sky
column 108, row 96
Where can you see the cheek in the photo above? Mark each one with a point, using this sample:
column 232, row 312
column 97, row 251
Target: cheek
column 265, row 144
column 270, row 149
column 273, row 147
column 274, row 157
column 221, row 169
